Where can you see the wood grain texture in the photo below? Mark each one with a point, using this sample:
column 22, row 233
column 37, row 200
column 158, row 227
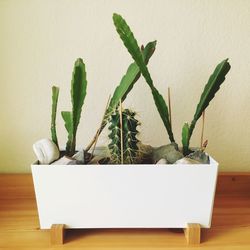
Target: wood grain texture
column 57, row 234
column 19, row 224
column 193, row 233
column 233, row 183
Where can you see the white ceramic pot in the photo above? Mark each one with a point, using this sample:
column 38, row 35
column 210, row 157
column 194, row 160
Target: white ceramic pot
column 125, row 196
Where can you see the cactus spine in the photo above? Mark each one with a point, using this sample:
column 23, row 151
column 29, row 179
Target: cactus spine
column 129, row 128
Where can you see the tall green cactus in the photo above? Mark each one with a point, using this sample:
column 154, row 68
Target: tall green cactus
column 131, row 44
column 78, row 94
column 55, row 94
column 130, row 152
column 210, row 89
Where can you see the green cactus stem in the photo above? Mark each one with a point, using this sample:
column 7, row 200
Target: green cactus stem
column 78, row 94
column 55, row 94
column 129, row 123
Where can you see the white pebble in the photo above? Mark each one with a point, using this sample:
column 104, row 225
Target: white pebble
column 46, row 151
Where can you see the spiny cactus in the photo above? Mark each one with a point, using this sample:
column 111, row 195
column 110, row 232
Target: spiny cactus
column 129, row 123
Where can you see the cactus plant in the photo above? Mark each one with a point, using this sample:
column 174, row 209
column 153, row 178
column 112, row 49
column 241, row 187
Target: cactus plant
column 127, row 134
column 185, row 138
column 78, row 94
column 126, row 84
column 213, row 85
column 55, row 94
column 125, row 121
column 131, row 44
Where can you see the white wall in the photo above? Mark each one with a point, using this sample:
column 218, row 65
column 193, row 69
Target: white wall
column 41, row 39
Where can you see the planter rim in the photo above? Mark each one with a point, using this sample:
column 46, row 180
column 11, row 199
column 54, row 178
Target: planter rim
column 212, row 163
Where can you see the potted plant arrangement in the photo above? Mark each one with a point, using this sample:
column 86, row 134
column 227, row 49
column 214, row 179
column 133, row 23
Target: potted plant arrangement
column 125, row 184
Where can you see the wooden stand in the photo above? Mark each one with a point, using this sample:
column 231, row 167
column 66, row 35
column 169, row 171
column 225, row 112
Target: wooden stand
column 193, row 233
column 57, row 234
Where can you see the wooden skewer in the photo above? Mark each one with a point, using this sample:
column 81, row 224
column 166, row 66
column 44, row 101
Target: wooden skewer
column 169, row 107
column 99, row 130
column 202, row 128
column 121, row 131
column 204, row 145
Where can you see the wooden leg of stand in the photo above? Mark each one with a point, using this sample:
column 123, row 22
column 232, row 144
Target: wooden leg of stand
column 57, row 234
column 193, row 233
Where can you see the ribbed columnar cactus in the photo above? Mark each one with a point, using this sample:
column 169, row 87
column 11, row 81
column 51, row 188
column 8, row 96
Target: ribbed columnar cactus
column 129, row 137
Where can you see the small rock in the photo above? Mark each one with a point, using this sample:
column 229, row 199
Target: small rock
column 168, row 152
column 79, row 157
column 146, row 153
column 96, row 160
column 65, row 160
column 199, row 156
column 186, row 160
column 161, row 162
column 46, row 151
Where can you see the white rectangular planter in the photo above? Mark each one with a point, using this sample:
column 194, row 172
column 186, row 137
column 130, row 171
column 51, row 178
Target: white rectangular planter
column 125, row 196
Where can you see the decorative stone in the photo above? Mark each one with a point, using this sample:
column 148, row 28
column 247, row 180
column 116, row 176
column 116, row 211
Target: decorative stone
column 65, row 160
column 146, row 152
column 199, row 156
column 168, row 152
column 161, row 162
column 46, row 151
column 96, row 160
column 79, row 157
column 186, row 160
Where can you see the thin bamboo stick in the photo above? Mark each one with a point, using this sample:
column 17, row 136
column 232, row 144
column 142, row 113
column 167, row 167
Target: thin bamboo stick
column 99, row 130
column 204, row 145
column 97, row 133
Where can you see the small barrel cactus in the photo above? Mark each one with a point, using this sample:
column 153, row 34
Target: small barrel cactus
column 129, row 137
